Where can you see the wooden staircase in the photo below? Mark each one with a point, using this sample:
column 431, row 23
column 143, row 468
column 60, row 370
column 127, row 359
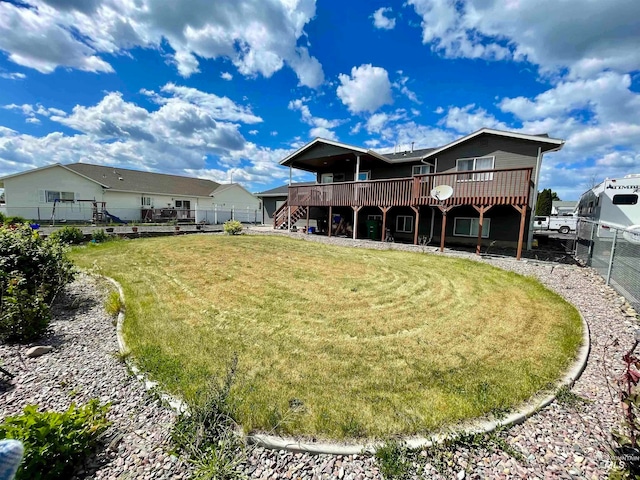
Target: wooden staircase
column 281, row 217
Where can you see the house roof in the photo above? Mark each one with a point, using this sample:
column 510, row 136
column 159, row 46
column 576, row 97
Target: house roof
column 289, row 160
column 281, row 191
column 553, row 143
column 564, row 203
column 407, row 156
column 127, row 180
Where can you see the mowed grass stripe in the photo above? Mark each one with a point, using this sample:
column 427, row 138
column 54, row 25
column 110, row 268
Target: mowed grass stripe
column 371, row 343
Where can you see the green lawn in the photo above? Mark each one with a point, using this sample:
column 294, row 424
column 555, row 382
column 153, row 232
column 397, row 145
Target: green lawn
column 369, row 343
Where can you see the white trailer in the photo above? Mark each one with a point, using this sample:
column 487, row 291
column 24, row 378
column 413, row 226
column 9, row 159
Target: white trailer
column 613, row 203
column 562, row 224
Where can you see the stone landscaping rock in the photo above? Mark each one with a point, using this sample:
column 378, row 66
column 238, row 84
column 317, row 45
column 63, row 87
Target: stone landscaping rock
column 38, row 351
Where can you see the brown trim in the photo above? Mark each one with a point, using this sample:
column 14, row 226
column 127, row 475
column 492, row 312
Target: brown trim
column 415, row 234
column 481, row 209
column 522, row 209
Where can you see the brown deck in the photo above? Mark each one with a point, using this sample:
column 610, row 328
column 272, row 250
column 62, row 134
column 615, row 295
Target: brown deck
column 480, row 187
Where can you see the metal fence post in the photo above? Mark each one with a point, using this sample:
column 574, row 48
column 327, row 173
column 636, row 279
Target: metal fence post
column 590, row 252
column 613, row 249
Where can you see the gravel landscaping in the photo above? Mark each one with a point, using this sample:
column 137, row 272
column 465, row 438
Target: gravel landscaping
column 564, row 440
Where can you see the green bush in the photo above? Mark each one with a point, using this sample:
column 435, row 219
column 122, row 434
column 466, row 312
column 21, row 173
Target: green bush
column 15, row 220
column 55, row 443
column 99, row 236
column 68, row 235
column 2, row 218
column 32, row 271
column 232, row 227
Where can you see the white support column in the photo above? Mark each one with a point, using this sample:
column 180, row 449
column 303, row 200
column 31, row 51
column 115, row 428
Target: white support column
column 355, row 223
column 357, row 168
column 215, row 214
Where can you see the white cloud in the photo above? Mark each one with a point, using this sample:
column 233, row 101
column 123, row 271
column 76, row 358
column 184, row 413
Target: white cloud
column 188, row 128
column 322, row 132
column 13, row 75
column 273, row 133
column 471, row 118
column 366, row 90
column 258, row 37
column 401, row 84
column 321, row 127
column 380, row 20
column 253, row 132
column 598, row 36
column 226, row 76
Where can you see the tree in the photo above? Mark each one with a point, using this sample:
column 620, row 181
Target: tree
column 543, row 205
column 555, row 197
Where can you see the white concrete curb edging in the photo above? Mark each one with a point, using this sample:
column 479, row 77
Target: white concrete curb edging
column 293, row 445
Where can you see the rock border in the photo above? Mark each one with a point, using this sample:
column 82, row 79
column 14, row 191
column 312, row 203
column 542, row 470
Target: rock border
column 273, row 442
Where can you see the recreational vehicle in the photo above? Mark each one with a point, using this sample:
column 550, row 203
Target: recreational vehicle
column 613, row 203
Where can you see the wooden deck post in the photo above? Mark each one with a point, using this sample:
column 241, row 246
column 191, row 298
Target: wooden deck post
column 330, row 219
column 523, row 214
column 481, row 209
column 415, row 234
column 444, row 226
column 384, row 222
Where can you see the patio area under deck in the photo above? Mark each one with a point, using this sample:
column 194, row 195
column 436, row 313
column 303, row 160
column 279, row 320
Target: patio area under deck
column 481, row 189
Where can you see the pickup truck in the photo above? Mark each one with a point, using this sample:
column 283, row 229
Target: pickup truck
column 564, row 224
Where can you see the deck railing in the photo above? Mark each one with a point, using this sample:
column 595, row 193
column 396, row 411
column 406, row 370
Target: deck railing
column 510, row 186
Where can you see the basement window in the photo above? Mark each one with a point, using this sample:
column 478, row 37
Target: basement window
column 468, row 227
column 404, row 224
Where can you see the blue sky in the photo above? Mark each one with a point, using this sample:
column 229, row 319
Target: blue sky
column 227, row 89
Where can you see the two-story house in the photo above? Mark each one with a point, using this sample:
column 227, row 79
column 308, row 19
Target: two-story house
column 493, row 175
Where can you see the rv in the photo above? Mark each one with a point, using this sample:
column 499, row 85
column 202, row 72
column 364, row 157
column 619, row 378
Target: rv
column 613, row 203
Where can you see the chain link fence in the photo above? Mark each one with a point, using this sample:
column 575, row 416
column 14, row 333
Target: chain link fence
column 614, row 253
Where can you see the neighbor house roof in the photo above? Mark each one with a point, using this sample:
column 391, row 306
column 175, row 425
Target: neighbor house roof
column 281, row 191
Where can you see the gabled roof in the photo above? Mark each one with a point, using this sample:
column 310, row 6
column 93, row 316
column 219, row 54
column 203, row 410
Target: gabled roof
column 281, row 191
column 407, row 156
column 127, row 180
column 346, row 146
column 54, row 165
column 554, row 143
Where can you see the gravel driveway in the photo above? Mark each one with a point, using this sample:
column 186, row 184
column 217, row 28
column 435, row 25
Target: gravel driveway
column 562, row 441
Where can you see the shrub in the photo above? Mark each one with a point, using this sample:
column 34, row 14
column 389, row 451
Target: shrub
column 55, row 443
column 32, row 271
column 232, row 227
column 2, row 218
column 15, row 220
column 206, row 433
column 99, row 236
column 68, row 235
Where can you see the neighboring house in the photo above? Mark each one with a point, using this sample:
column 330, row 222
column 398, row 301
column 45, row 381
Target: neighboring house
column 85, row 192
column 560, row 208
column 493, row 175
column 274, row 199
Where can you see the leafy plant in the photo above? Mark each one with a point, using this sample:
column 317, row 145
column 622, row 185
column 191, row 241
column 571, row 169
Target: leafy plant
column 207, row 431
column 113, row 304
column 15, row 220
column 55, row 442
column 99, row 236
column 2, row 218
column 69, row 235
column 232, row 227
column 394, row 460
column 32, row 271
column 627, row 450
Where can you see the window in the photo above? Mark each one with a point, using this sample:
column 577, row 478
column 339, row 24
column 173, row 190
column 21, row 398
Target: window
column 468, row 227
column 145, row 201
column 326, row 178
column 364, row 176
column 471, row 164
column 374, row 217
column 51, row 196
column 404, row 224
column 184, row 204
column 628, row 199
column 421, row 170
